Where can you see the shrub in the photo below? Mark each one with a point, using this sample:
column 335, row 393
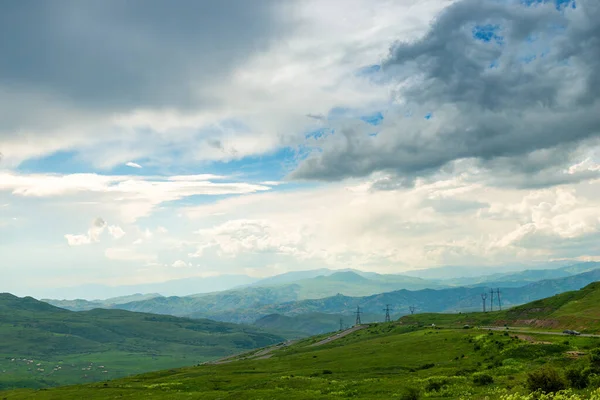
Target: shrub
column 482, row 379
column 327, row 372
column 435, row 384
column 595, row 360
column 427, row 366
column 410, row 393
column 578, row 377
column 546, row 379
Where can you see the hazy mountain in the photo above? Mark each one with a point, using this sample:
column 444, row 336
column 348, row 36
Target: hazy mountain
column 428, row 300
column 456, row 272
column 522, row 278
column 177, row 287
column 84, row 305
column 249, row 304
column 349, row 283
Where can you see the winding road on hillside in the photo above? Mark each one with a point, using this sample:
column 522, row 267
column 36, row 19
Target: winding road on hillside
column 338, row 335
column 267, row 352
column 532, row 332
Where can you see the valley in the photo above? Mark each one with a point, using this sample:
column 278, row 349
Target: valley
column 406, row 359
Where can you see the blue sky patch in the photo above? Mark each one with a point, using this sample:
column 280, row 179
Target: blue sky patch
column 373, row 119
column 487, row 33
column 560, row 4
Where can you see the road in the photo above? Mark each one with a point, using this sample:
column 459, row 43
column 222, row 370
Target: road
column 338, row 335
column 531, row 332
column 266, row 352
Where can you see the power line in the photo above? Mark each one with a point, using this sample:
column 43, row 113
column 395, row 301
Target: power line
column 341, row 324
column 483, row 298
column 499, row 303
column 358, row 312
column 387, row 313
column 492, row 300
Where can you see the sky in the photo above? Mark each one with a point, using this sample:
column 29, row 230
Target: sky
column 149, row 140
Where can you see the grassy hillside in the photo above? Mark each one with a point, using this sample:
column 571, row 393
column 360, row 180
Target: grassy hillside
column 309, row 324
column 379, row 362
column 579, row 310
column 42, row 345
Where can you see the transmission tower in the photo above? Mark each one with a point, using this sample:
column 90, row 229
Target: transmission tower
column 483, row 297
column 358, row 312
column 499, row 303
column 387, row 313
column 492, row 301
column 412, row 309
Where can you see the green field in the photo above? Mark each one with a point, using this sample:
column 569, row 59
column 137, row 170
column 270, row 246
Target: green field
column 44, row 346
column 379, row 362
column 579, row 310
column 407, row 359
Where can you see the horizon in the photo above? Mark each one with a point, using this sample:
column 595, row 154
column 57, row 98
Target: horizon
column 153, row 141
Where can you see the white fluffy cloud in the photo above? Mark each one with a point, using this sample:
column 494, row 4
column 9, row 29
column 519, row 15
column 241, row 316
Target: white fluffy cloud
column 133, row 196
column 442, row 222
column 93, row 234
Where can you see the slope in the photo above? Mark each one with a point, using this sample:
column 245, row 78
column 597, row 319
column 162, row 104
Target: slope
column 43, row 345
column 380, row 361
column 578, row 309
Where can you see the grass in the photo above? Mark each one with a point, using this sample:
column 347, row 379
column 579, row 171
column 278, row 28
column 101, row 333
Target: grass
column 574, row 310
column 379, row 362
column 43, row 346
column 382, row 361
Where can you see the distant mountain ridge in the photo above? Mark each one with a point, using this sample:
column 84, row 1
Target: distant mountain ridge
column 250, row 304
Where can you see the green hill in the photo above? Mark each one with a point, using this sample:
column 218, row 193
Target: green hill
column 309, row 324
column 579, row 310
column 380, row 361
column 42, row 345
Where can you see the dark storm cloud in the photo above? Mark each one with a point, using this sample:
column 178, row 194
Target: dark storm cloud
column 117, row 55
column 530, row 85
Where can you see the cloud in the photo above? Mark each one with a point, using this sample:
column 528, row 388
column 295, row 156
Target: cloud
column 116, row 231
column 133, row 165
column 198, row 92
column 133, row 196
column 180, row 264
column 450, row 221
column 93, row 234
column 512, row 103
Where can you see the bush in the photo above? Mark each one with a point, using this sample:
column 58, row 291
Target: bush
column 546, row 379
column 578, row 377
column 482, row 379
column 410, row 393
column 595, row 360
column 427, row 366
column 435, row 384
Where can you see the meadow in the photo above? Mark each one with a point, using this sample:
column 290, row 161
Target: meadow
column 381, row 361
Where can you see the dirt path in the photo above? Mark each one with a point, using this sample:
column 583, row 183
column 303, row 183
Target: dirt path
column 338, row 335
column 259, row 355
column 267, row 352
column 532, row 332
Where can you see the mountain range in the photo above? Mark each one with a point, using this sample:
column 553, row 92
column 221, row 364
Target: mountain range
column 341, row 292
